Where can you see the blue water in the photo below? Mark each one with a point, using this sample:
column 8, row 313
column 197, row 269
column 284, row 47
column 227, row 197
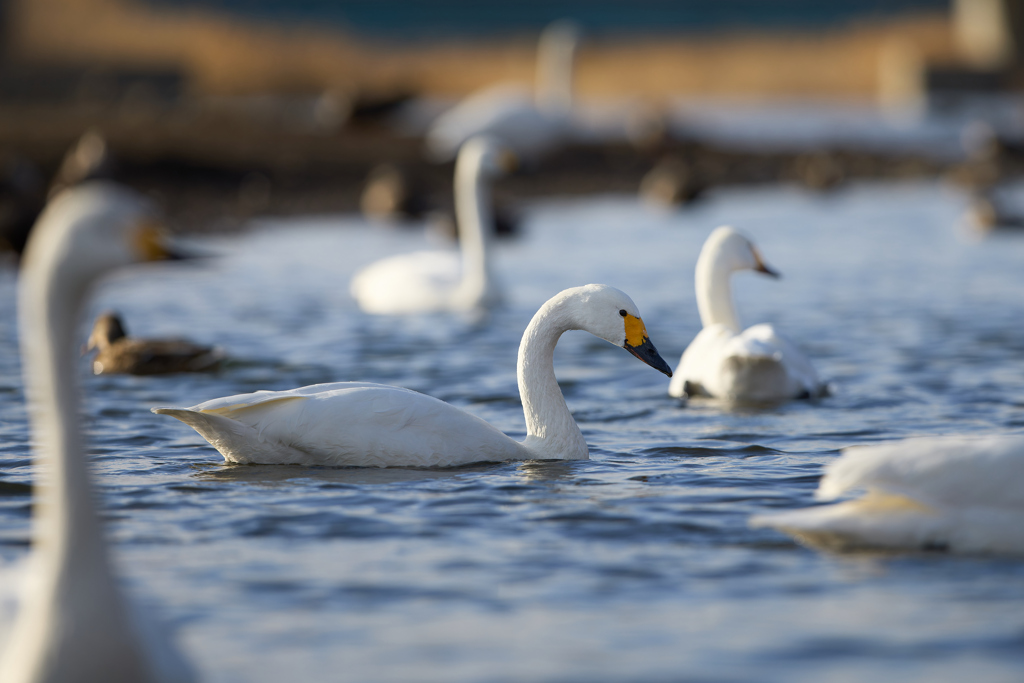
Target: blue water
column 635, row 565
column 444, row 18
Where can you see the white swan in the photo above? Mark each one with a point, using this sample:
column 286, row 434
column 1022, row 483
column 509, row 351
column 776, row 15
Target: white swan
column 74, row 625
column 528, row 125
column 961, row 494
column 373, row 425
column 434, row 281
column 756, row 365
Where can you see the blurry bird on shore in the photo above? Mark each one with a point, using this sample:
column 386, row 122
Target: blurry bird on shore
column 529, row 124
column 23, row 191
column 117, row 353
column 987, row 213
column 672, row 183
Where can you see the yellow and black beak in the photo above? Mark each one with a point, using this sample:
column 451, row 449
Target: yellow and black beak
column 762, row 267
column 639, row 344
column 153, row 244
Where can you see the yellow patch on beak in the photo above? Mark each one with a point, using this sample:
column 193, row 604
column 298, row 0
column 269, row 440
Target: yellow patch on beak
column 635, row 330
column 150, row 241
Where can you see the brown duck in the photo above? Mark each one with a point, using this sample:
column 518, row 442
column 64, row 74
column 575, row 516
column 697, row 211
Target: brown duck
column 119, row 353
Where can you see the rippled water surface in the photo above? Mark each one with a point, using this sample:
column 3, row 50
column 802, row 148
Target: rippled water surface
column 635, row 565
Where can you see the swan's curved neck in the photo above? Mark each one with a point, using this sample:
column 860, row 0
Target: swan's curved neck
column 556, row 54
column 474, row 213
column 714, row 291
column 551, row 431
column 73, row 621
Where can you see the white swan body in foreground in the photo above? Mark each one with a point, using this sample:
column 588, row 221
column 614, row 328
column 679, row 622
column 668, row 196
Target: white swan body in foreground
column 528, row 125
column 437, row 281
column 373, row 425
column 962, row 494
column 756, row 365
column 74, row 626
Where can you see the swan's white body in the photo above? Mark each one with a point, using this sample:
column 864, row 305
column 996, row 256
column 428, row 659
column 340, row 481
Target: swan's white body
column 74, row 626
column 373, row 425
column 443, row 281
column 755, row 365
column 528, row 125
column 962, row 494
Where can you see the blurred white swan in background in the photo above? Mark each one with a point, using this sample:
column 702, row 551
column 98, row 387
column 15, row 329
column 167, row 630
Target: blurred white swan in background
column 373, row 425
column 755, row 365
column 529, row 124
column 74, row 625
column 434, row 281
column 961, row 494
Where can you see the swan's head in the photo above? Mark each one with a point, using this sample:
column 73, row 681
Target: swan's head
column 610, row 314
column 107, row 329
column 487, row 156
column 95, row 227
column 732, row 249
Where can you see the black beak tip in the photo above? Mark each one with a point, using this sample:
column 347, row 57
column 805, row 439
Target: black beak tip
column 649, row 355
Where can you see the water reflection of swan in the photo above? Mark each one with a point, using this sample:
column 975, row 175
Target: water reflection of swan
column 755, row 365
column 528, row 125
column 961, row 494
column 372, row 425
column 74, row 624
column 431, row 281
column 119, row 353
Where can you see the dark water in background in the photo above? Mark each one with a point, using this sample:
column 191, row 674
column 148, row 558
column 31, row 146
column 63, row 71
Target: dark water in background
column 437, row 18
column 635, row 565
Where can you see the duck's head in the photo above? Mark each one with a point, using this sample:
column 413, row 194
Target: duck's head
column 610, row 314
column 488, row 155
column 95, row 227
column 732, row 249
column 105, row 331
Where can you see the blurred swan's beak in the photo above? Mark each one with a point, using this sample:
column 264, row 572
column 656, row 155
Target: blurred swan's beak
column 639, row 344
column 153, row 244
column 762, row 267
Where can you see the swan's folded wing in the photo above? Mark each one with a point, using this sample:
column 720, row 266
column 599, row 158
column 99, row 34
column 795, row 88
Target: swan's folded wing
column 764, row 340
column 936, row 471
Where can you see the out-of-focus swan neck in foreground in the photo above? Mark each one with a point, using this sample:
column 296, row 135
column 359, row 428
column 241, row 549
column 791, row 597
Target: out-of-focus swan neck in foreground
column 73, row 624
column 372, row 425
column 427, row 281
column 960, row 494
column 757, row 365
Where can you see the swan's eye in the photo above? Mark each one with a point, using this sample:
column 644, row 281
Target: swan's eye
column 622, row 312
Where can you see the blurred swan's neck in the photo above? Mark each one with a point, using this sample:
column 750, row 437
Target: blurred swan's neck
column 714, row 290
column 72, row 624
column 475, row 218
column 556, row 53
column 551, row 431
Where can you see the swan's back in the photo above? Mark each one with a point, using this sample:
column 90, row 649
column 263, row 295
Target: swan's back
column 408, row 283
column 758, row 364
column 346, row 424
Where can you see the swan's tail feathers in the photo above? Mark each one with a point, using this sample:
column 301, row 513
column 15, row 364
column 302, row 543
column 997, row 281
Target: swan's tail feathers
column 877, row 520
column 226, row 435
